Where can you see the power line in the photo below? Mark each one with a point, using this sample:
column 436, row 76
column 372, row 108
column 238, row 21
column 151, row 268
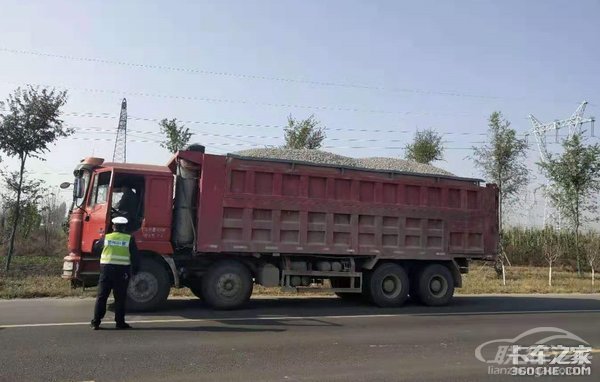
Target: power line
column 254, row 144
column 247, row 102
column 242, row 75
column 146, row 140
column 268, row 126
column 99, row 130
column 259, row 77
column 79, row 114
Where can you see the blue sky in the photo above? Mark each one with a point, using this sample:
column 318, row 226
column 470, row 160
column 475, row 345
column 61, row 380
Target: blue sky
column 440, row 64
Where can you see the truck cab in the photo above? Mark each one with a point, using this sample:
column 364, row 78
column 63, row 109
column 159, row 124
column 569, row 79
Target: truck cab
column 141, row 193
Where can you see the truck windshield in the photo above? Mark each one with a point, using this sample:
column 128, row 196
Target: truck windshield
column 85, row 176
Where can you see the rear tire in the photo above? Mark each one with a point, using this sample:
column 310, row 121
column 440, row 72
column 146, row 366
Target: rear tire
column 227, row 285
column 149, row 288
column 435, row 285
column 388, row 285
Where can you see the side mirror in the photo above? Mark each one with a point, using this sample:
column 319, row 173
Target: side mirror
column 65, row 185
column 78, row 188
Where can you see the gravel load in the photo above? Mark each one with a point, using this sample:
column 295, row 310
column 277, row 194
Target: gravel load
column 396, row 164
column 324, row 157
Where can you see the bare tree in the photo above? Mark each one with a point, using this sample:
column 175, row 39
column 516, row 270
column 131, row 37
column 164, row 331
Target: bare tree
column 592, row 252
column 551, row 250
column 52, row 215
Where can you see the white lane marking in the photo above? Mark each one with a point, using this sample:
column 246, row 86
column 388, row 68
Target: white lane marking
column 288, row 318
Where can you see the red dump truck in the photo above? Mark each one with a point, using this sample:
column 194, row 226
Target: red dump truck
column 218, row 224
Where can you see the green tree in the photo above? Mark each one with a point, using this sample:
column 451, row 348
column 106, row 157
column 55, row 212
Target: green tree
column 31, row 123
column 502, row 161
column 426, row 147
column 176, row 136
column 304, row 134
column 574, row 178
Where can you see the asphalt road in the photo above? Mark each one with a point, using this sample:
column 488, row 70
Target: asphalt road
column 291, row 339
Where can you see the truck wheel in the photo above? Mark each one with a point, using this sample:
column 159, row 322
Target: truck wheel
column 149, row 288
column 435, row 285
column 388, row 285
column 227, row 285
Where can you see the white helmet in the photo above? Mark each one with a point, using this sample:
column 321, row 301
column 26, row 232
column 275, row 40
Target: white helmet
column 120, row 220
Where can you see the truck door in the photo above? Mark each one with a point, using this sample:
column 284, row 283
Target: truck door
column 95, row 220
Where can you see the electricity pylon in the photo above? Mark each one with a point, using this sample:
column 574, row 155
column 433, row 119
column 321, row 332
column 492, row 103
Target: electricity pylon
column 540, row 130
column 120, row 153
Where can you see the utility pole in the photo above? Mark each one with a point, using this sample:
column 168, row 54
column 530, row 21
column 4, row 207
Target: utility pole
column 120, row 153
column 540, row 130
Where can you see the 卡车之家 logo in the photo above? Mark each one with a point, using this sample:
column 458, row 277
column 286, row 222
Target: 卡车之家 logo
column 538, row 352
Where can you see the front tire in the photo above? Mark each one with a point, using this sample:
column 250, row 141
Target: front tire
column 149, row 288
column 388, row 285
column 227, row 285
column 435, row 285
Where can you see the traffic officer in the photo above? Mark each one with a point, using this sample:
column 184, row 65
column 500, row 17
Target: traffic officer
column 118, row 261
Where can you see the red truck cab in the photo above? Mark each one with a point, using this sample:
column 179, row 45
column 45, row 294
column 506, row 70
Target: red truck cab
column 103, row 185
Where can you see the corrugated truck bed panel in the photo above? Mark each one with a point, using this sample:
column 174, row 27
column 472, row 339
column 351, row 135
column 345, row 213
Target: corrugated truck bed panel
column 248, row 205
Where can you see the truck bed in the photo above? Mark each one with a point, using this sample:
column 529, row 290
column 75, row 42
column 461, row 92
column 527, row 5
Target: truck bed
column 252, row 205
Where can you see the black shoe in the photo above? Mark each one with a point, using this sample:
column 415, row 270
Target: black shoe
column 95, row 325
column 123, row 326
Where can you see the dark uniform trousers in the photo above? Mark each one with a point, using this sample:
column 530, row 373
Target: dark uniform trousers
column 116, row 278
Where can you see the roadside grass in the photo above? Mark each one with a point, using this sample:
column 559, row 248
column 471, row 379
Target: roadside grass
column 39, row 276
column 482, row 279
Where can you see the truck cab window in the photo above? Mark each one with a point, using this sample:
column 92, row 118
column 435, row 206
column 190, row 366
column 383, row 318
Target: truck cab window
column 127, row 199
column 100, row 190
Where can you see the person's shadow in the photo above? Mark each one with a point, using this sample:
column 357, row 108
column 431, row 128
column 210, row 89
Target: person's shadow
column 257, row 314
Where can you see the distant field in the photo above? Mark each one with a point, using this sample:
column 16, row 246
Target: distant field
column 39, row 276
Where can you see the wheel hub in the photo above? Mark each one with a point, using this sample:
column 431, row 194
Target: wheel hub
column 143, row 287
column 229, row 285
column 391, row 286
column 438, row 286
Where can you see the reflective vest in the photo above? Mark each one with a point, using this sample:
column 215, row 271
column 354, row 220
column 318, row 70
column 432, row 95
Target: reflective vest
column 116, row 249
